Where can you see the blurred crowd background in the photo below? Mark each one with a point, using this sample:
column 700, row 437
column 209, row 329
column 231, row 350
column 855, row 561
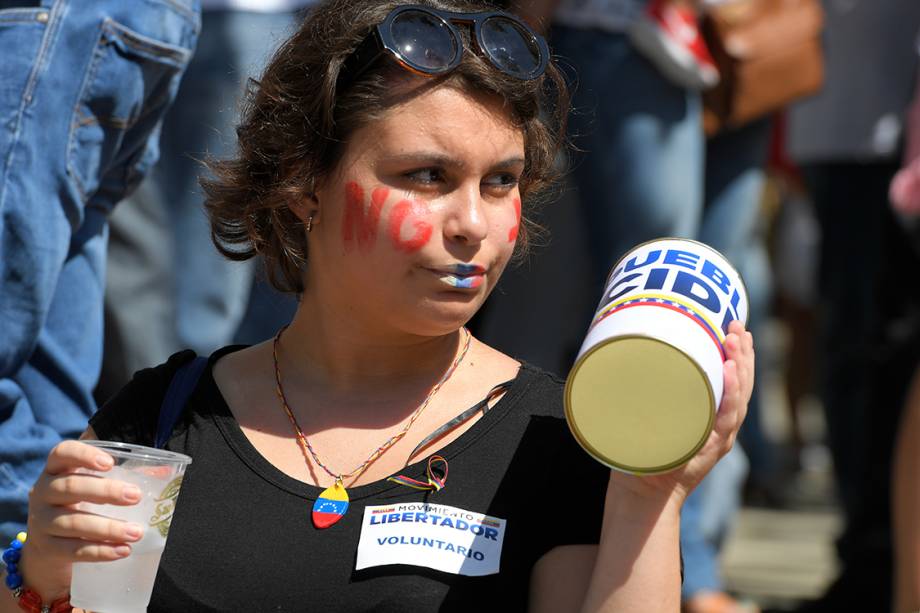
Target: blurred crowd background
column 797, row 199
column 802, row 198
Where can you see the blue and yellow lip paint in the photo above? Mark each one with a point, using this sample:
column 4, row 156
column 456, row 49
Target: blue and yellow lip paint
column 463, row 282
column 463, row 276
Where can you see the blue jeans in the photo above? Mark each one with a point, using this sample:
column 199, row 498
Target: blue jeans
column 706, row 519
column 168, row 287
column 645, row 171
column 735, row 177
column 640, row 171
column 734, row 180
column 211, row 292
column 81, row 99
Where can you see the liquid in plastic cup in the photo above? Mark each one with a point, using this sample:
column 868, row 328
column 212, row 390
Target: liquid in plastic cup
column 125, row 586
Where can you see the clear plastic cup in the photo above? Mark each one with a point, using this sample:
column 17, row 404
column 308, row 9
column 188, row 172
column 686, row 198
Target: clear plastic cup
column 125, row 585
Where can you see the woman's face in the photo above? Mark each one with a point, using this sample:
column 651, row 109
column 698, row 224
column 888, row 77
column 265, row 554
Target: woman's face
column 417, row 223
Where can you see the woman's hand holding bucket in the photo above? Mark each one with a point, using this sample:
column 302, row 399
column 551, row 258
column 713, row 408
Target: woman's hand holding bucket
column 673, row 487
column 641, row 530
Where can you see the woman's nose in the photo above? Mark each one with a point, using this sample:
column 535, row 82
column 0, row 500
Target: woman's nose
column 466, row 221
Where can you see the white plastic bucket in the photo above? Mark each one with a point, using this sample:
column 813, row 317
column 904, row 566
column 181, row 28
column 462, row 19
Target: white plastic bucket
column 647, row 382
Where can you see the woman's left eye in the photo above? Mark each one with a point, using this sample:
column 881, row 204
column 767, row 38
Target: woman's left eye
column 504, row 180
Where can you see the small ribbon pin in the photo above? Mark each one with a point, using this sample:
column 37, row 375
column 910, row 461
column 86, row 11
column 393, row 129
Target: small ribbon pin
column 435, row 481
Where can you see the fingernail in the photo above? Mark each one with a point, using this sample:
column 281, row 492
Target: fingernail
column 123, row 550
column 134, row 531
column 104, row 461
column 132, row 493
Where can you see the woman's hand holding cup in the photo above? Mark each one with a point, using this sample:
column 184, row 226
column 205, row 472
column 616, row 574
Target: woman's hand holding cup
column 59, row 533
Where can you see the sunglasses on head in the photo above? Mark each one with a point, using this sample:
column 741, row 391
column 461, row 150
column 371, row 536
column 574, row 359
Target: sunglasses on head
column 426, row 41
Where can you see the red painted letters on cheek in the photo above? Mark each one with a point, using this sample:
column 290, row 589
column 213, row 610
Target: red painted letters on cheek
column 359, row 227
column 513, row 232
column 411, row 212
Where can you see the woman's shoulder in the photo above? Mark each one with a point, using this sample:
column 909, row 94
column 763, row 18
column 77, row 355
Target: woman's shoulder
column 541, row 379
column 536, row 389
column 532, row 382
column 542, row 390
column 131, row 414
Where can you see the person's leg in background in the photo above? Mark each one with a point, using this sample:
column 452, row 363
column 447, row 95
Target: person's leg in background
column 704, row 523
column 64, row 167
column 866, row 278
column 637, row 177
column 212, row 293
column 265, row 308
column 734, row 183
column 732, row 224
column 640, row 176
column 209, row 292
column 904, row 483
column 194, row 297
column 906, row 500
column 139, row 316
column 639, row 173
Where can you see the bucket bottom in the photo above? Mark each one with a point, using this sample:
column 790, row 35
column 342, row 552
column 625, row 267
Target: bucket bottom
column 639, row 405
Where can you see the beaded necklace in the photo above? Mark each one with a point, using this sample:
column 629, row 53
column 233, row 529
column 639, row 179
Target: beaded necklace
column 332, row 504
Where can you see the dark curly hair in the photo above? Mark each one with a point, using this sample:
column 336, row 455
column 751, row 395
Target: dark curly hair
column 296, row 123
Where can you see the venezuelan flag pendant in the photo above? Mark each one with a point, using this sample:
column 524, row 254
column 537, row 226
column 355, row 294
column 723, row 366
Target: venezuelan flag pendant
column 331, row 505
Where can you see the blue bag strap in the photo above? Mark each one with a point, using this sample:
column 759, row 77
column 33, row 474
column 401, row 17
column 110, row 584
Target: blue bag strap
column 180, row 388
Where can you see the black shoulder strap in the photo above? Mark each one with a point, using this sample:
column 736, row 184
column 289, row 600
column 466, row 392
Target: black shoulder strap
column 180, row 388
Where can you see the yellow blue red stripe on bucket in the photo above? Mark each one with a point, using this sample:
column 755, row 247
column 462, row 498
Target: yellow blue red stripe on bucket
column 668, row 302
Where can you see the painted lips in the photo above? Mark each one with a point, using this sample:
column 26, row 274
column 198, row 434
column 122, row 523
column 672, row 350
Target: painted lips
column 462, row 276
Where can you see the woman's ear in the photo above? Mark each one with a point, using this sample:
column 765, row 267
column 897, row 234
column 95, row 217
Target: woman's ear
column 307, row 210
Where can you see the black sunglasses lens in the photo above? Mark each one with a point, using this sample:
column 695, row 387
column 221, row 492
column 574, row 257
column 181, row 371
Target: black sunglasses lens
column 424, row 41
column 510, row 46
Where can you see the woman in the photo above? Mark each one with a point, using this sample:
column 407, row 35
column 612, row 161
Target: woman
column 390, row 199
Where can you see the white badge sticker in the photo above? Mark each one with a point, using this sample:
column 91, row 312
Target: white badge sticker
column 432, row 535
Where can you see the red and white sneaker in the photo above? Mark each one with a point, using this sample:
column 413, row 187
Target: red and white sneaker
column 669, row 36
